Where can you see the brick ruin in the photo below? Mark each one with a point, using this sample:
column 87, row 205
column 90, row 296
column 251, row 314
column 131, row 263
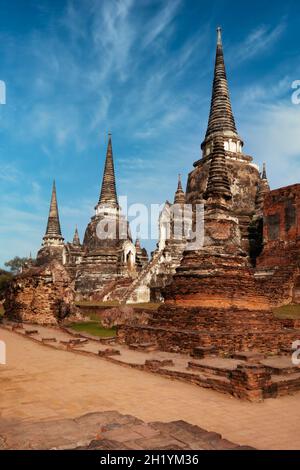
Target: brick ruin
column 43, row 294
column 278, row 265
column 218, row 298
column 219, row 302
column 100, row 268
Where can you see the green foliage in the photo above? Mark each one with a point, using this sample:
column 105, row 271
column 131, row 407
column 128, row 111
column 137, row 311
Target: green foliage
column 288, row 312
column 5, row 277
column 16, row 264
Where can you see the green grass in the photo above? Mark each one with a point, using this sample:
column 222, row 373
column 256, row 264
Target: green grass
column 288, row 312
column 92, row 303
column 145, row 306
column 93, row 328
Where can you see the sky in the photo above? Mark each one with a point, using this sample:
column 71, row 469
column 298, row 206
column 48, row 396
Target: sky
column 141, row 69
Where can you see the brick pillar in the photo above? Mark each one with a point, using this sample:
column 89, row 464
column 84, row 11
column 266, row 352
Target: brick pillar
column 250, row 382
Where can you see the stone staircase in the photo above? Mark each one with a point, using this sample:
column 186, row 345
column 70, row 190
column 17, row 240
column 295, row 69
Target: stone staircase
column 117, row 290
column 143, row 279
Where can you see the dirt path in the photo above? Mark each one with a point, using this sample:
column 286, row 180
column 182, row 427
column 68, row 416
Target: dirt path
column 39, row 383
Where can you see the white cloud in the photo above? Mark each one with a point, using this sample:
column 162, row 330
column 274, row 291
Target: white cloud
column 161, row 21
column 9, row 173
column 273, row 136
column 257, row 42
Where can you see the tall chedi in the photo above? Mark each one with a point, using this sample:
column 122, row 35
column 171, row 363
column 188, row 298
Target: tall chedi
column 243, row 175
column 53, row 241
column 109, row 254
column 221, row 119
column 214, row 304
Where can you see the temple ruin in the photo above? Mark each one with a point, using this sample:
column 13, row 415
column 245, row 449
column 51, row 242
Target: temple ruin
column 217, row 299
column 219, row 302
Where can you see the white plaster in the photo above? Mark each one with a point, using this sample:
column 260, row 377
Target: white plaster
column 2, row 353
column 53, row 242
column 129, row 249
column 106, row 209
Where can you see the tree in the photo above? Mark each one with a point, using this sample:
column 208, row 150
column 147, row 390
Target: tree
column 15, row 265
column 5, row 277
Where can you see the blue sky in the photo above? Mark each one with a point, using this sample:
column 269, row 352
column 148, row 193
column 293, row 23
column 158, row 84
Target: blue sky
column 142, row 69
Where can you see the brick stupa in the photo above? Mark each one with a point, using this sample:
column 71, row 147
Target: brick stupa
column 109, row 256
column 215, row 304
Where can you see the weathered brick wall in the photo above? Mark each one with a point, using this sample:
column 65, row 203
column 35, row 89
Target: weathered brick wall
column 281, row 254
column 281, row 227
column 41, row 295
column 227, row 332
column 282, row 214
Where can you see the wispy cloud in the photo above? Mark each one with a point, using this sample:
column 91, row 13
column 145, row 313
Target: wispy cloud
column 257, row 42
column 273, row 137
column 161, row 21
column 9, row 173
column 267, row 91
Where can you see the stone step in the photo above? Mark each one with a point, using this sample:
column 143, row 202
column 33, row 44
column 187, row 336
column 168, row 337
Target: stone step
column 248, row 356
column 209, row 371
column 202, row 352
column 211, row 381
column 31, row 332
column 146, row 347
column 286, row 383
column 109, row 352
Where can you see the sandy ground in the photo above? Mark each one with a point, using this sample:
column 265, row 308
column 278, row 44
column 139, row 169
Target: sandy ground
column 40, row 383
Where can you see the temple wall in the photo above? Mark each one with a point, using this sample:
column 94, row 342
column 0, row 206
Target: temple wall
column 278, row 267
column 281, row 228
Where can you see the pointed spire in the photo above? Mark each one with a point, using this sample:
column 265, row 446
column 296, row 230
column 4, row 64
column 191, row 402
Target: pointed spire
column 53, row 231
column 221, row 117
column 179, row 187
column 262, row 190
column 179, row 195
column 108, row 191
column 218, row 185
column 264, row 173
column 219, row 36
column 76, row 239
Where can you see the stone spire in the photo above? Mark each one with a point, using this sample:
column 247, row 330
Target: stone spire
column 221, row 117
column 179, row 195
column 263, row 189
column 108, row 194
column 76, row 239
column 53, row 234
column 264, row 173
column 218, row 185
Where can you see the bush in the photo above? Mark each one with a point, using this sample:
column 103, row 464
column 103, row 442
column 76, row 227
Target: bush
column 5, row 277
column 118, row 316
